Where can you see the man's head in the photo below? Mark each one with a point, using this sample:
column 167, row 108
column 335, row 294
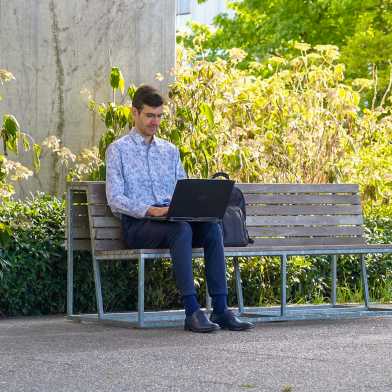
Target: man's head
column 147, row 108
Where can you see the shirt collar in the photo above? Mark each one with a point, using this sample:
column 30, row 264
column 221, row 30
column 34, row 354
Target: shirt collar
column 138, row 138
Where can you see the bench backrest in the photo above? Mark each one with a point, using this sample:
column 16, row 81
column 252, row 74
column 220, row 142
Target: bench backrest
column 303, row 214
column 277, row 214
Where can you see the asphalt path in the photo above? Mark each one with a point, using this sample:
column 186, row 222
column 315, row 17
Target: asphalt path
column 52, row 354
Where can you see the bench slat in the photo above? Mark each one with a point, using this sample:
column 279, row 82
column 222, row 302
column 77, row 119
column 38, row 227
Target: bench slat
column 79, row 197
column 303, row 210
column 80, row 216
column 100, row 210
column 276, row 231
column 298, row 188
column 105, row 221
column 301, row 199
column 304, row 220
column 79, row 209
column 97, row 193
column 81, row 232
column 109, row 244
column 80, row 221
column 80, row 244
column 307, row 241
column 109, row 233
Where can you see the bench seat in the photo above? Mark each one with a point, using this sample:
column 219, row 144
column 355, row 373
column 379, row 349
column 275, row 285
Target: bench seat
column 293, row 250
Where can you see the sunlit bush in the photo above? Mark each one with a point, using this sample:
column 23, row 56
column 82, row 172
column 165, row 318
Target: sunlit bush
column 300, row 124
column 291, row 121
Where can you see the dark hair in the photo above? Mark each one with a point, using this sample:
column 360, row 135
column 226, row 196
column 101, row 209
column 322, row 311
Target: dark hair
column 146, row 95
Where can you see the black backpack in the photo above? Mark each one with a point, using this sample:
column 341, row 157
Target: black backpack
column 234, row 228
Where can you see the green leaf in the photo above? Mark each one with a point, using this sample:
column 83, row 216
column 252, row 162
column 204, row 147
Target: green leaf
column 121, row 85
column 117, row 80
column 36, row 157
column 123, row 115
column 104, row 142
column 10, row 132
column 5, row 234
column 208, row 113
column 10, row 125
column 25, row 141
column 109, row 117
column 131, row 91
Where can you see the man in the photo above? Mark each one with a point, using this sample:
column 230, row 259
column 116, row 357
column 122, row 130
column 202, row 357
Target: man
column 141, row 174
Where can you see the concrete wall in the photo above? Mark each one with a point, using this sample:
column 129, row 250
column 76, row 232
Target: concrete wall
column 56, row 48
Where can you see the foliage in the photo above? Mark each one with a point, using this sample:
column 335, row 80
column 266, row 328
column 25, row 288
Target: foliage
column 11, row 136
column 302, row 123
column 33, row 266
column 33, row 281
column 116, row 116
column 294, row 121
column 362, row 29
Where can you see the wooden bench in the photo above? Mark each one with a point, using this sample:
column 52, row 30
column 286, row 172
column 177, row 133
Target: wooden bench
column 283, row 219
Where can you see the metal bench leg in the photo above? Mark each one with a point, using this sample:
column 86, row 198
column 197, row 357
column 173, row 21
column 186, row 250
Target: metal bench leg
column 70, row 264
column 98, row 287
column 283, row 284
column 333, row 279
column 238, row 285
column 208, row 299
column 70, row 279
column 364, row 281
column 140, row 293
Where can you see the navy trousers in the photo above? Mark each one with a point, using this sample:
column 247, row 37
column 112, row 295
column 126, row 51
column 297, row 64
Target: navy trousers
column 180, row 237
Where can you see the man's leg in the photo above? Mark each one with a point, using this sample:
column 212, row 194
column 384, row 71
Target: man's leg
column 177, row 236
column 210, row 237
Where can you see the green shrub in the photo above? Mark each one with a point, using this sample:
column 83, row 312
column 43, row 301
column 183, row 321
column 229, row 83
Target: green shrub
column 301, row 121
column 33, row 269
column 309, row 279
column 33, row 281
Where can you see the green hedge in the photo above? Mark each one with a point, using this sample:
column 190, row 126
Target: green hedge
column 33, row 281
column 33, row 269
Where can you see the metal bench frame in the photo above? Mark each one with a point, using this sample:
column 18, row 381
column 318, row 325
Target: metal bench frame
column 84, row 194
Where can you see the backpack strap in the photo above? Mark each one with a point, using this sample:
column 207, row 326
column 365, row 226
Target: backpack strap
column 220, row 174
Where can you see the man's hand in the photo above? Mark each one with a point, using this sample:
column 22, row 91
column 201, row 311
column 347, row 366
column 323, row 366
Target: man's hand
column 157, row 211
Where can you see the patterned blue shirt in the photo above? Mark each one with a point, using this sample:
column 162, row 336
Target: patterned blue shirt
column 139, row 175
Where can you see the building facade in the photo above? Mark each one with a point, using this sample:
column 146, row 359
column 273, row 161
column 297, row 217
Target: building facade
column 57, row 48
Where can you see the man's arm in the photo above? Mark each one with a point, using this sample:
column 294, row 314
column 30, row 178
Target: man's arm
column 117, row 201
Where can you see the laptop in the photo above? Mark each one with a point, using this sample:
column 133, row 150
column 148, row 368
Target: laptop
column 198, row 200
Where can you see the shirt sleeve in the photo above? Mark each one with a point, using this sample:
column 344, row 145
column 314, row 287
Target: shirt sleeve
column 117, row 200
column 180, row 172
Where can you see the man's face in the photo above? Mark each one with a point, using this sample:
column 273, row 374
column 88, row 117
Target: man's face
column 148, row 119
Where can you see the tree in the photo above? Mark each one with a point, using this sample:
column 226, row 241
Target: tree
column 362, row 29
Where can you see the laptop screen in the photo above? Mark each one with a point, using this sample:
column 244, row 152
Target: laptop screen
column 200, row 198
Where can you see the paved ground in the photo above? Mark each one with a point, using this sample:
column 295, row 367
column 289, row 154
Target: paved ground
column 52, row 354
